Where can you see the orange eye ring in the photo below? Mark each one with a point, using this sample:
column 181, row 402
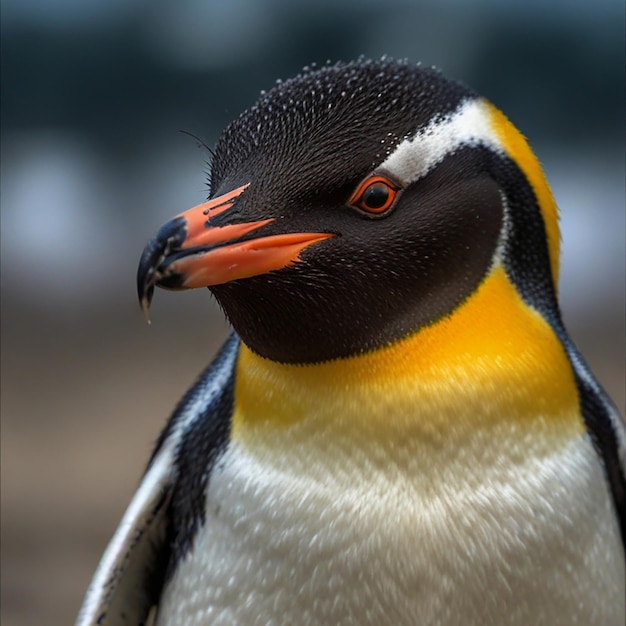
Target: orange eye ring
column 375, row 195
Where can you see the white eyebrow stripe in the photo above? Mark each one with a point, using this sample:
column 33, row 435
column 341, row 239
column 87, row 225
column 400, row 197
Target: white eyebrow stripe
column 469, row 125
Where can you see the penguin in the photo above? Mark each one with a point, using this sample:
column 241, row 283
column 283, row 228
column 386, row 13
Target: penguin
column 399, row 430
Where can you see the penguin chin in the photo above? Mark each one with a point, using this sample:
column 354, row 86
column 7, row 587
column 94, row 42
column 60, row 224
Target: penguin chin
column 282, row 322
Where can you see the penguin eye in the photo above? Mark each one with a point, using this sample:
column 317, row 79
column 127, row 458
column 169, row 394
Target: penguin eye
column 375, row 195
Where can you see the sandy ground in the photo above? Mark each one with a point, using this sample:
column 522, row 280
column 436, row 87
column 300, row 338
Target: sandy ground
column 82, row 401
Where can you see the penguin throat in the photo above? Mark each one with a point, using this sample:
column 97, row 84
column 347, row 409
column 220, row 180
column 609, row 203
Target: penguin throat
column 494, row 357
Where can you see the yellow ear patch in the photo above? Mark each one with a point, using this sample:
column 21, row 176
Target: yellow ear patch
column 492, row 359
column 516, row 146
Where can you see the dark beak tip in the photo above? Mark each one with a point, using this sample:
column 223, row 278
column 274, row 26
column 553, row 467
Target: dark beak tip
column 145, row 272
column 145, row 299
column 168, row 238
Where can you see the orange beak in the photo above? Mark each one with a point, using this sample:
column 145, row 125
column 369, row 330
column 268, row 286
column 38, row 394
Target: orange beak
column 187, row 252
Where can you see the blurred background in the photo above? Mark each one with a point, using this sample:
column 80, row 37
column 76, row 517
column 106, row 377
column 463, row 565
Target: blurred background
column 94, row 93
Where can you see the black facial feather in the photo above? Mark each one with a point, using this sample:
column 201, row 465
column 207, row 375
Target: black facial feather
column 378, row 280
column 303, row 148
column 351, row 114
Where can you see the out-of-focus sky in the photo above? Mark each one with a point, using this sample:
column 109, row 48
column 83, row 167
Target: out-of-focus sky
column 93, row 95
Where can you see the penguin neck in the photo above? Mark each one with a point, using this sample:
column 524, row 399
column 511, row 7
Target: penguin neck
column 491, row 360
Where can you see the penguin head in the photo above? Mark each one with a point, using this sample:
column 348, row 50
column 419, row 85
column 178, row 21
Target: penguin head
column 356, row 204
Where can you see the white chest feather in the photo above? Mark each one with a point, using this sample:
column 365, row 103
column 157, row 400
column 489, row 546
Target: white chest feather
column 366, row 540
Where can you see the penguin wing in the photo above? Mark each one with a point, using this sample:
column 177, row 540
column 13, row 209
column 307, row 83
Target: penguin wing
column 132, row 571
column 607, row 430
column 126, row 581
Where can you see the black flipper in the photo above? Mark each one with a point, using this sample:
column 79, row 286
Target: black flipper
column 607, row 431
column 130, row 577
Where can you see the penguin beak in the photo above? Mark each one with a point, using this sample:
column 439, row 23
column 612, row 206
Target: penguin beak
column 187, row 252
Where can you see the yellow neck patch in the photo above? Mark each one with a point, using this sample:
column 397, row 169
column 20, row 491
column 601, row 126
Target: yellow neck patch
column 516, row 146
column 494, row 359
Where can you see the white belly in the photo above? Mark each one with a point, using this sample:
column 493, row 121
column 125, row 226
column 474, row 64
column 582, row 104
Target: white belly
column 291, row 540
